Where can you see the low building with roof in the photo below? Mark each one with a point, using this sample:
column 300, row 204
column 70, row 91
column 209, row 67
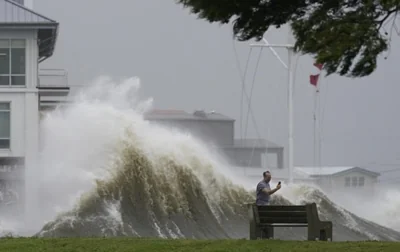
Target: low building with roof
column 219, row 131
column 339, row 179
column 211, row 127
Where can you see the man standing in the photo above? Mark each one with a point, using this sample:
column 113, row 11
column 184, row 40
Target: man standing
column 264, row 190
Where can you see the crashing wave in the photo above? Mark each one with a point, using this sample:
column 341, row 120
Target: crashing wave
column 161, row 197
column 105, row 171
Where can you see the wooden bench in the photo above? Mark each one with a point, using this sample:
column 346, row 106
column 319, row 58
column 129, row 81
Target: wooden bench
column 263, row 219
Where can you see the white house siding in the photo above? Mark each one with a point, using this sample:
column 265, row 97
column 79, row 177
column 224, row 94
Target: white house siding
column 339, row 183
column 24, row 102
column 24, row 114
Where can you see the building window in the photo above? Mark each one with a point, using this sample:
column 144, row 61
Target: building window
column 5, row 125
column 361, row 181
column 12, row 62
column 347, row 182
column 354, row 181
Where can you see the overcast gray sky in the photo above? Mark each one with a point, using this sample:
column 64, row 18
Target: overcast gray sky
column 186, row 63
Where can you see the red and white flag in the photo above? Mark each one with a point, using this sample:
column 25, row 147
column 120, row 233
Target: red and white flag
column 314, row 77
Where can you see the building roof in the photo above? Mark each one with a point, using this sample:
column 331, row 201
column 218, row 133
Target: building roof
column 15, row 16
column 16, row 13
column 161, row 114
column 333, row 171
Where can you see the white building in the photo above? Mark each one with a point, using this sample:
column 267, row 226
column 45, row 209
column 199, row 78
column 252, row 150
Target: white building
column 348, row 179
column 26, row 39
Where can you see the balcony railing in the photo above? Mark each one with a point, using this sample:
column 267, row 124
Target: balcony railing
column 53, row 78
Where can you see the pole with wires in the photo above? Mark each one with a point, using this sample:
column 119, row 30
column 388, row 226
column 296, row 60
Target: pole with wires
column 290, row 49
column 245, row 95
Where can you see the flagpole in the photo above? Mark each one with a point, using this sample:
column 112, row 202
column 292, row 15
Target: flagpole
column 317, row 124
column 316, row 162
column 314, row 132
column 290, row 112
column 290, row 49
column 314, row 80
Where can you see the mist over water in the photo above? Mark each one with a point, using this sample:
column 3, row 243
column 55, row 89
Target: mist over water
column 104, row 170
column 383, row 207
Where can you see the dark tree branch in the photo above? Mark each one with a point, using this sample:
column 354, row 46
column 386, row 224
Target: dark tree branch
column 344, row 35
column 388, row 14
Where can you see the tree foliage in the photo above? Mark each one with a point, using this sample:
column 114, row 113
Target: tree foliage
column 347, row 36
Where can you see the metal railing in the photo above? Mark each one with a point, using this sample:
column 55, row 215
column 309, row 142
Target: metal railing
column 53, row 78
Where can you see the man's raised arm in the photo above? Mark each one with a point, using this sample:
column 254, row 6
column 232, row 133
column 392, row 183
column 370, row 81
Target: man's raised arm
column 271, row 191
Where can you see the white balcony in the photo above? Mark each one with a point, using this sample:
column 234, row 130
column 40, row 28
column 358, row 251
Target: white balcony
column 53, row 82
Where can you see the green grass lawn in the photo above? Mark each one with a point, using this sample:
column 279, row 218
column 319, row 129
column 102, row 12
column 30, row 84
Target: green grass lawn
column 135, row 244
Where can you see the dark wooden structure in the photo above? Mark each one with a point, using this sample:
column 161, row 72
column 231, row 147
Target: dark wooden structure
column 263, row 219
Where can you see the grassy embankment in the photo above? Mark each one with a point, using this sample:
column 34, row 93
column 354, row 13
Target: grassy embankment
column 134, row 244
